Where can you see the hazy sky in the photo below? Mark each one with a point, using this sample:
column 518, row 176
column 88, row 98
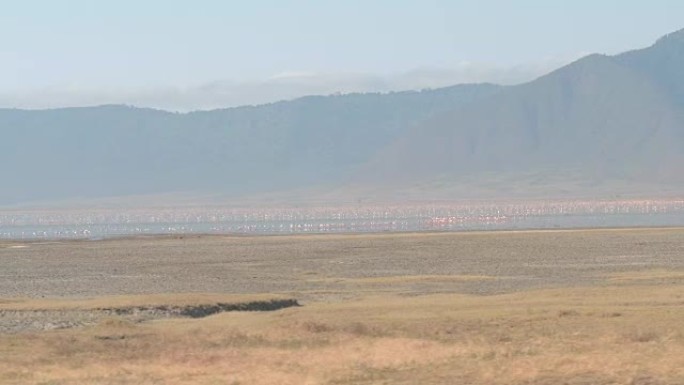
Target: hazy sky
column 206, row 54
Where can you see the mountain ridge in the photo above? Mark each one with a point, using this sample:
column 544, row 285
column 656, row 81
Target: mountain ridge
column 621, row 122
column 120, row 150
column 600, row 125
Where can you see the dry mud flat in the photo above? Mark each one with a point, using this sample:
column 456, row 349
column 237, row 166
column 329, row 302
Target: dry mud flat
column 551, row 307
column 327, row 267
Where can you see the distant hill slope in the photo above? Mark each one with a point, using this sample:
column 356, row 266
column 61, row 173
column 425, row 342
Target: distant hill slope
column 662, row 63
column 116, row 150
column 599, row 126
column 598, row 120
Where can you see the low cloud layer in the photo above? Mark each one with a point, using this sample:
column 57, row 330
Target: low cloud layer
column 287, row 85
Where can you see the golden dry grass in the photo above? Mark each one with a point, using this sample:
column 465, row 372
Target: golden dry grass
column 647, row 275
column 370, row 314
column 601, row 335
column 403, row 279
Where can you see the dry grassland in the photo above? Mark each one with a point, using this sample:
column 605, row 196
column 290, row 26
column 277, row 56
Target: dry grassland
column 627, row 327
column 609, row 335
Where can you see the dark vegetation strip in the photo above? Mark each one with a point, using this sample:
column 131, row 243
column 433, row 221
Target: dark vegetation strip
column 200, row 311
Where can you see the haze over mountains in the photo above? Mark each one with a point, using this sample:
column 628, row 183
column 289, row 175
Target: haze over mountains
column 106, row 151
column 602, row 125
column 597, row 124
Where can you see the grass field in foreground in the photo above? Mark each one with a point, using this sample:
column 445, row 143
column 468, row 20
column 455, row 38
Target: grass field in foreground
column 599, row 335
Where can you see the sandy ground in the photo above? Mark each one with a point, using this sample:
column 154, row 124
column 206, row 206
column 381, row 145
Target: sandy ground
column 537, row 307
column 321, row 267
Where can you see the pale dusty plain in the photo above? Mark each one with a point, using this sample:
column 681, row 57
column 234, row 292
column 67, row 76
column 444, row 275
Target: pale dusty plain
column 535, row 307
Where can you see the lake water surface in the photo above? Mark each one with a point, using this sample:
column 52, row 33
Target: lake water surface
column 464, row 216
